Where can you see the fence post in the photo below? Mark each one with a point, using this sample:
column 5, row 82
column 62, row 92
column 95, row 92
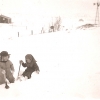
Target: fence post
column 31, row 32
column 26, row 27
column 18, row 34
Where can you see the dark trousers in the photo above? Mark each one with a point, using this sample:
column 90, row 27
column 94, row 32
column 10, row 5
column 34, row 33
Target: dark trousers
column 10, row 78
column 28, row 72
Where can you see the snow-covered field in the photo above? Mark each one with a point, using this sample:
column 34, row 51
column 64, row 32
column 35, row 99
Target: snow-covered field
column 69, row 66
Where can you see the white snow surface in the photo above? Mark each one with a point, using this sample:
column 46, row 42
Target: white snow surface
column 69, row 65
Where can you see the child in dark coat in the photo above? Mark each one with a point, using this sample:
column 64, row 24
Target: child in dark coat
column 30, row 65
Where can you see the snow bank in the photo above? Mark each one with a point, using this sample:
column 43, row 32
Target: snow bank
column 69, row 66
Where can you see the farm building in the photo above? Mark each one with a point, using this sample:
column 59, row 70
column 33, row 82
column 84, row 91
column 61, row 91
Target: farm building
column 5, row 19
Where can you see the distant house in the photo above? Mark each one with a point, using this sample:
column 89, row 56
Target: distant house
column 5, row 19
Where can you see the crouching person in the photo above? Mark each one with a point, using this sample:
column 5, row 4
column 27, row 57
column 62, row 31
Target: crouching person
column 30, row 65
column 6, row 67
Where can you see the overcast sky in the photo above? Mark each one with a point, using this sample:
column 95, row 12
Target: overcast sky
column 57, row 7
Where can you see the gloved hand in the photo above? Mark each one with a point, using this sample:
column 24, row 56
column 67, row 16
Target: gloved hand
column 12, row 72
column 21, row 62
column 3, row 71
column 37, row 71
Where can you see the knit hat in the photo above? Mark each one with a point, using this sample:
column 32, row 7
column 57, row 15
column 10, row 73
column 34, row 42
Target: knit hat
column 4, row 53
column 29, row 56
column 33, row 61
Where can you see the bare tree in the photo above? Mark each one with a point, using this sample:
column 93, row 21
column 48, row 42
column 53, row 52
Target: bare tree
column 57, row 24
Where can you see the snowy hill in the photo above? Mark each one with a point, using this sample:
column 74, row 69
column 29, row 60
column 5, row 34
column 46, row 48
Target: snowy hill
column 69, row 66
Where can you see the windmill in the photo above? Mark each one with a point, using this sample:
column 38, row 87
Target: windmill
column 97, row 13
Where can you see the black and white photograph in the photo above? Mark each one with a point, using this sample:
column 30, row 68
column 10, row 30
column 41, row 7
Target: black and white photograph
column 49, row 49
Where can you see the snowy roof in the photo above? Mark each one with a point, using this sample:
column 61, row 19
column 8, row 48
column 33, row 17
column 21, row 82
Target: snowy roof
column 5, row 16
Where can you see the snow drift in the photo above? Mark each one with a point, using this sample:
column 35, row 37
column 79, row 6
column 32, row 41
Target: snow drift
column 69, row 66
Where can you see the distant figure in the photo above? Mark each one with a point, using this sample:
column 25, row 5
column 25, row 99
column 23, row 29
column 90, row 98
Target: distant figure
column 51, row 29
column 30, row 65
column 6, row 67
column 42, row 30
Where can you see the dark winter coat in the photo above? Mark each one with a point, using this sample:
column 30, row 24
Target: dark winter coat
column 30, row 67
column 8, row 67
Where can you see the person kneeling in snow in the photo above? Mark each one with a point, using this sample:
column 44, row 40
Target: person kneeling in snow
column 31, row 66
column 6, row 68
